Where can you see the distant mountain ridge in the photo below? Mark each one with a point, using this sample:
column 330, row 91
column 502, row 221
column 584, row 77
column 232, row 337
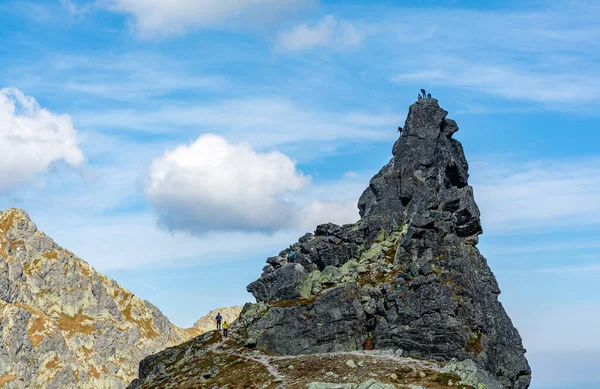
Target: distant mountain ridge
column 207, row 322
column 63, row 324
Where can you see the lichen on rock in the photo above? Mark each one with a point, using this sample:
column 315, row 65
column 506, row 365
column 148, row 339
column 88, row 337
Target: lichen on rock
column 64, row 325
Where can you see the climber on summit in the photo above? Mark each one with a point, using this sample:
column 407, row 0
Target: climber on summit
column 225, row 327
column 218, row 319
column 423, row 93
column 428, row 95
column 419, row 97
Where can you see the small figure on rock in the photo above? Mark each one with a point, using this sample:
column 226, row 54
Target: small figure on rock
column 428, row 95
column 225, row 327
column 218, row 319
column 423, row 93
column 419, row 97
column 291, row 256
column 400, row 130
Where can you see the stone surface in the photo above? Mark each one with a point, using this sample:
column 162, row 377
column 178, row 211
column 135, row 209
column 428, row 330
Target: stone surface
column 407, row 275
column 64, row 325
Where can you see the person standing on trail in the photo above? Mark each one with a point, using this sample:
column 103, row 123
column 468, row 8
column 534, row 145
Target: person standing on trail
column 218, row 319
column 225, row 327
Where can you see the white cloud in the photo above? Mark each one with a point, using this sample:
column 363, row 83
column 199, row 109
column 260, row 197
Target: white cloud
column 167, row 18
column 213, row 185
column 330, row 32
column 32, row 139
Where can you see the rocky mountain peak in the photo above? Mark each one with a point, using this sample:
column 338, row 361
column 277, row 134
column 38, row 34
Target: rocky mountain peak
column 407, row 275
column 63, row 324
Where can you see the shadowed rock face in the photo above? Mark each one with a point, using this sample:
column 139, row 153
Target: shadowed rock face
column 407, row 275
column 64, row 325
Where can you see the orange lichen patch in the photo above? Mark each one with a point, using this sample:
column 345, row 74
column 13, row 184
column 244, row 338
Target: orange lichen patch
column 7, row 220
column 84, row 268
column 122, row 295
column 5, row 379
column 52, row 364
column 145, row 325
column 76, row 325
column 51, row 254
column 29, row 267
column 36, row 328
column 86, row 351
column 94, row 372
column 16, row 243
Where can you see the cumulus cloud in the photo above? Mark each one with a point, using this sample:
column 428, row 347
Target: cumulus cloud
column 212, row 185
column 167, row 18
column 330, row 32
column 32, row 139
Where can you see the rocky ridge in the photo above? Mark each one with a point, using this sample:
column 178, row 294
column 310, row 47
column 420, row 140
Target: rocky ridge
column 63, row 324
column 406, row 279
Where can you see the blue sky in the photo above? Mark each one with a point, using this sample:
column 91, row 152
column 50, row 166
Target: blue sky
column 175, row 147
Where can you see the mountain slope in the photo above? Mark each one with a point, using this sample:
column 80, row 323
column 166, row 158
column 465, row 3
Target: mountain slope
column 63, row 324
column 406, row 277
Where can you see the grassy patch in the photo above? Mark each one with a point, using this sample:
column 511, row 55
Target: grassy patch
column 292, row 303
column 446, row 378
column 474, row 344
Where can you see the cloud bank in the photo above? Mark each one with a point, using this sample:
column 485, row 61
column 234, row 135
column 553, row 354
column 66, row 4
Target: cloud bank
column 212, row 185
column 32, row 139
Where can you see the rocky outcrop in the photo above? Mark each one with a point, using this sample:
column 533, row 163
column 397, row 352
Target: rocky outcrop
column 64, row 325
column 407, row 275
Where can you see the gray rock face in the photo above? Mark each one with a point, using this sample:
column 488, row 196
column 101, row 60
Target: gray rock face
column 62, row 324
column 407, row 276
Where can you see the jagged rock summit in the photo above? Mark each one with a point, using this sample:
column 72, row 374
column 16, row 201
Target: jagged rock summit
column 63, row 325
column 407, row 275
column 400, row 299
